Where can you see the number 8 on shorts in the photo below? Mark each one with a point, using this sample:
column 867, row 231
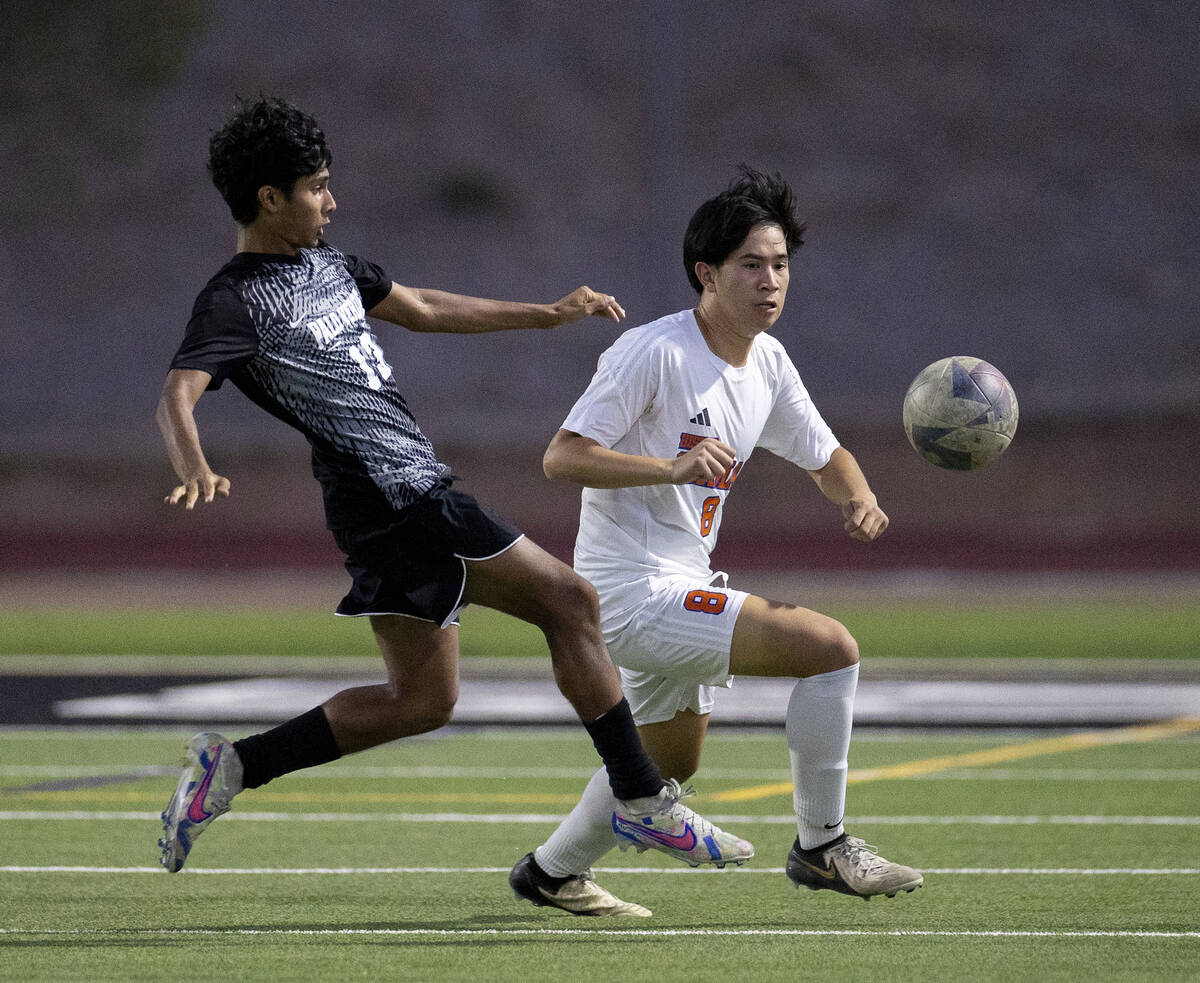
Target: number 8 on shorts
column 705, row 601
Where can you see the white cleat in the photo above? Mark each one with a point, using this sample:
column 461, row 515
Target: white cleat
column 578, row 894
column 850, row 866
column 661, row 822
column 212, row 776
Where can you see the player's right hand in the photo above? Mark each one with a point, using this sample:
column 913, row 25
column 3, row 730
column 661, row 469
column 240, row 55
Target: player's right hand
column 584, row 302
column 204, row 488
column 707, row 461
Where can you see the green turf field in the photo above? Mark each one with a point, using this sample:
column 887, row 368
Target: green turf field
column 1128, row 629
column 1046, row 858
column 1061, row 864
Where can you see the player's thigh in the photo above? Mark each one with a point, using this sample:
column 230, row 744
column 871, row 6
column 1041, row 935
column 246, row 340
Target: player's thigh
column 528, row 583
column 421, row 658
column 772, row 638
column 675, row 744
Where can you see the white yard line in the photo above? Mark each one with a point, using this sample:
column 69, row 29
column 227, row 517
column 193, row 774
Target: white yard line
column 585, row 933
column 740, row 871
column 81, row 815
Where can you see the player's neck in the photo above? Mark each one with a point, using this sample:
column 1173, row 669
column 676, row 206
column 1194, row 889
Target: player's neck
column 258, row 238
column 729, row 346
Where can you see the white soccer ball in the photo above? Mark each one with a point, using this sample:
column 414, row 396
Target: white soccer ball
column 960, row 413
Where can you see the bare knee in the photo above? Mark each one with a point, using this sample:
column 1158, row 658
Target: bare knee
column 418, row 710
column 571, row 605
column 776, row 639
column 368, row 716
column 425, row 717
column 841, row 648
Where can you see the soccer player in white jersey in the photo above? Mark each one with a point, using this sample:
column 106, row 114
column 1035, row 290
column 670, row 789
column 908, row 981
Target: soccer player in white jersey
column 672, row 414
column 285, row 320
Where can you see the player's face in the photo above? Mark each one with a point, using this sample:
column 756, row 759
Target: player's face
column 749, row 288
column 307, row 210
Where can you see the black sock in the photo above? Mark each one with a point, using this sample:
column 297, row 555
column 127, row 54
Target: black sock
column 301, row 742
column 631, row 773
column 543, row 876
column 818, row 849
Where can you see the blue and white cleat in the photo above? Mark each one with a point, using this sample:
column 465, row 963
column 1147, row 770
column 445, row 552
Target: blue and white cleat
column 212, row 776
column 663, row 823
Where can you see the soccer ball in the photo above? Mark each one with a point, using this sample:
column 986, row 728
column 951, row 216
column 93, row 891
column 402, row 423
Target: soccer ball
column 960, row 413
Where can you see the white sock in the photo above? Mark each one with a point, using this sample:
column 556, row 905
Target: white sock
column 819, row 717
column 585, row 835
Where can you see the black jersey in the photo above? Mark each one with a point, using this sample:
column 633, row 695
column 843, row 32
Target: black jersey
column 291, row 333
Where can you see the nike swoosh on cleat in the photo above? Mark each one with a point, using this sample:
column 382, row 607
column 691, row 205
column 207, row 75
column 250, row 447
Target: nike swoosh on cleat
column 195, row 811
column 687, row 841
column 829, row 873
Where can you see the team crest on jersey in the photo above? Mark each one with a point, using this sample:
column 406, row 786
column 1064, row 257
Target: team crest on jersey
column 689, row 440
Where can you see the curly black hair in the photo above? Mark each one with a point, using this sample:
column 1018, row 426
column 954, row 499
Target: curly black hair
column 722, row 223
column 266, row 141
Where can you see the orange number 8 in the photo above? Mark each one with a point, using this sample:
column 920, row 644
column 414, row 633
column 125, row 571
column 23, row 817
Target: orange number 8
column 705, row 601
column 708, row 512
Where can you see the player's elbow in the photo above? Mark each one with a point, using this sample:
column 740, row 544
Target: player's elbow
column 569, row 457
column 562, row 467
column 556, row 462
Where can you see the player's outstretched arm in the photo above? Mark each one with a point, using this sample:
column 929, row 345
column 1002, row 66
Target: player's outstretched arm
column 436, row 310
column 573, row 457
column 843, row 483
column 176, row 419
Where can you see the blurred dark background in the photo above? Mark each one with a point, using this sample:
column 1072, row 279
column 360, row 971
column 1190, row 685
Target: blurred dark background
column 1017, row 182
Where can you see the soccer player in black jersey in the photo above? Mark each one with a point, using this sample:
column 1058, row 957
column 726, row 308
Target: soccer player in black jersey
column 285, row 322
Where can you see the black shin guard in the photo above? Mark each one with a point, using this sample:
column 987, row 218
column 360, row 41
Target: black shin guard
column 631, row 772
column 301, row 742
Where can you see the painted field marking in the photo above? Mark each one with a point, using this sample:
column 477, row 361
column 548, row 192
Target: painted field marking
column 656, row 871
column 90, row 792
column 588, row 933
column 990, row 756
column 525, row 818
column 88, row 787
column 130, row 772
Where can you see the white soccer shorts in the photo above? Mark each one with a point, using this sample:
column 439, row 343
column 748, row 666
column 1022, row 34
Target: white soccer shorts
column 672, row 642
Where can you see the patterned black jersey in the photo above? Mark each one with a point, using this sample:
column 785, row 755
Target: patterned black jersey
column 291, row 333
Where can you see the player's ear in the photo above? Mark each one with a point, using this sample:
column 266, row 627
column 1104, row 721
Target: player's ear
column 705, row 274
column 269, row 198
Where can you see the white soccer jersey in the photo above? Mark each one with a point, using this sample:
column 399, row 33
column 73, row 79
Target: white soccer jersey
column 657, row 392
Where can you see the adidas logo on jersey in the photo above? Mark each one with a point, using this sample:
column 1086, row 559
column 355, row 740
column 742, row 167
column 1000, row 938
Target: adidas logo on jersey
column 701, row 418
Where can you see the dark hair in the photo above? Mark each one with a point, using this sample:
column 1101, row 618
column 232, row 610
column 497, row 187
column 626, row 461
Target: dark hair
column 722, row 223
column 267, row 141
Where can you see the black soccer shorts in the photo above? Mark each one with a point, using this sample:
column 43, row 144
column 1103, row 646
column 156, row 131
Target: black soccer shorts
column 415, row 565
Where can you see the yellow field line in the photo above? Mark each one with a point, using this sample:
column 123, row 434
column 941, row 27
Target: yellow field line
column 904, row 769
column 1008, row 752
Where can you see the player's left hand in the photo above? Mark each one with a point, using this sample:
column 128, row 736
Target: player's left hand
column 865, row 520
column 203, row 487
column 586, row 302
